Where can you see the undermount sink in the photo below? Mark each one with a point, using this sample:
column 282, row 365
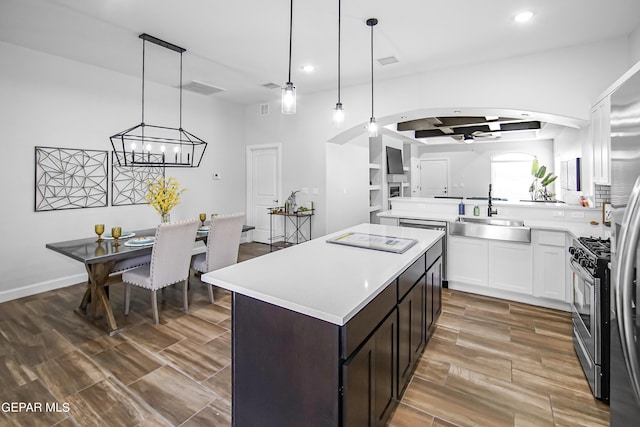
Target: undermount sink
column 512, row 230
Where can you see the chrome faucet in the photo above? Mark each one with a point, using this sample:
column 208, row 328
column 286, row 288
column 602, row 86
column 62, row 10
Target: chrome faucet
column 490, row 210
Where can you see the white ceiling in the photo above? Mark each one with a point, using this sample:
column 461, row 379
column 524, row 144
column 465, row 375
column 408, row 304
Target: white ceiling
column 239, row 45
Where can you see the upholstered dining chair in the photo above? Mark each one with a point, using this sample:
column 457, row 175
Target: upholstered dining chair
column 223, row 242
column 170, row 258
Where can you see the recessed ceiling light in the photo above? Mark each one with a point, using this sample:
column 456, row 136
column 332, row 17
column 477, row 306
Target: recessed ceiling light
column 308, row 68
column 523, row 16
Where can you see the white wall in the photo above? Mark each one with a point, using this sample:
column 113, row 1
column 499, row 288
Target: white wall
column 571, row 144
column 470, row 164
column 562, row 82
column 54, row 102
column 634, row 46
column 347, row 198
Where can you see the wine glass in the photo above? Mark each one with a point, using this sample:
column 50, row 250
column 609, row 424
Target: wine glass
column 99, row 229
column 203, row 218
column 116, row 232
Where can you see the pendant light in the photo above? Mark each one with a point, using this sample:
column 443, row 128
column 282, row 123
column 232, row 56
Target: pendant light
column 373, row 126
column 144, row 145
column 338, row 112
column 289, row 90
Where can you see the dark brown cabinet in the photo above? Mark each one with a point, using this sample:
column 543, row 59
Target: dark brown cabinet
column 369, row 378
column 411, row 332
column 434, row 295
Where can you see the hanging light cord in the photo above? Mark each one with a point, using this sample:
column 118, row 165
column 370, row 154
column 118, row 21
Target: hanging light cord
column 372, row 70
column 144, row 43
column 290, row 38
column 339, row 25
column 181, row 93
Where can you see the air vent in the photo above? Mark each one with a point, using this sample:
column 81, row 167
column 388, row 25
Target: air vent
column 264, row 109
column 201, row 88
column 271, row 85
column 388, row 60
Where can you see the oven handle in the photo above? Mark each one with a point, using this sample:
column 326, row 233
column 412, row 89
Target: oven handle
column 580, row 271
column 623, row 285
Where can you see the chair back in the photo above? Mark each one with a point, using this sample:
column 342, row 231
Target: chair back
column 172, row 250
column 223, row 240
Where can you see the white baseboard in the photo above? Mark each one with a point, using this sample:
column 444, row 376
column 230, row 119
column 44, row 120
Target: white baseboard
column 37, row 288
column 511, row 296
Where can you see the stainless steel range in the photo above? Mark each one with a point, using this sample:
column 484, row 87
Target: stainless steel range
column 590, row 259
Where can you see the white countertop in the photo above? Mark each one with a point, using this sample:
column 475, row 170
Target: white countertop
column 324, row 280
column 576, row 228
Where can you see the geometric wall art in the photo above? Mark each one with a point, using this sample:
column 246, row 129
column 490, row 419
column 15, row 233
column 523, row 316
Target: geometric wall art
column 68, row 178
column 129, row 184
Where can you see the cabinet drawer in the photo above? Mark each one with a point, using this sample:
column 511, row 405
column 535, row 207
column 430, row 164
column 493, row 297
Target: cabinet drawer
column 367, row 320
column 410, row 276
column 434, row 253
column 551, row 238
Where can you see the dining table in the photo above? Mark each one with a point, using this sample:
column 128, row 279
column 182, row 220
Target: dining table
column 99, row 258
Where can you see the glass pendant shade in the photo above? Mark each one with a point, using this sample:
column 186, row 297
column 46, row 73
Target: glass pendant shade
column 373, row 127
column 289, row 99
column 338, row 115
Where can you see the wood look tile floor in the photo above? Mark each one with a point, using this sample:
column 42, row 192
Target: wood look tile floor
column 490, row 363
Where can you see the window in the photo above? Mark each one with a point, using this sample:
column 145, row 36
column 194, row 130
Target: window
column 511, row 176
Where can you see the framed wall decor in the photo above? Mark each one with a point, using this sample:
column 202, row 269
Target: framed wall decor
column 606, row 213
column 129, row 185
column 68, row 178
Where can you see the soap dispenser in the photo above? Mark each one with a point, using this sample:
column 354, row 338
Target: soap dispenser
column 460, row 208
column 476, row 210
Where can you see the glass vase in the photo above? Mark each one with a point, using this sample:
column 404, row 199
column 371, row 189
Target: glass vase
column 166, row 217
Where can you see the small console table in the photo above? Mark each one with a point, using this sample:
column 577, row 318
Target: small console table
column 298, row 222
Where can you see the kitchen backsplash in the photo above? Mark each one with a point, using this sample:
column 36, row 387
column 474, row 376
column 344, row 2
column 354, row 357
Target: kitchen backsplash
column 603, row 194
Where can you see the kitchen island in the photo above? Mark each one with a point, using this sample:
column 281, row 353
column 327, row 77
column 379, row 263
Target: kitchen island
column 325, row 334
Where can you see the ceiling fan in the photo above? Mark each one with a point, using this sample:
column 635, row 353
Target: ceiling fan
column 467, row 128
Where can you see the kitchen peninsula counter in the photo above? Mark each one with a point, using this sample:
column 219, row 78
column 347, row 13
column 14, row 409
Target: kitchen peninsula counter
column 328, row 333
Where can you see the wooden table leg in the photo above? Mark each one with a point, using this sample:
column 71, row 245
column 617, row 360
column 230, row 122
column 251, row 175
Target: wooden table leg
column 96, row 295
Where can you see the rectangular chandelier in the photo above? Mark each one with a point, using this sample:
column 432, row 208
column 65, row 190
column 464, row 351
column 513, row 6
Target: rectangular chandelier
column 153, row 145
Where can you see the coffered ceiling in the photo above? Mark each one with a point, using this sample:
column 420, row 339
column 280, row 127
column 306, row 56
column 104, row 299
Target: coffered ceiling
column 239, row 46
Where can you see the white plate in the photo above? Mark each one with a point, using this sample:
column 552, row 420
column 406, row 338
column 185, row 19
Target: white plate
column 141, row 241
column 125, row 235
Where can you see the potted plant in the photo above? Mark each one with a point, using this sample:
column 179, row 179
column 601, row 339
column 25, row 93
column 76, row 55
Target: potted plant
column 538, row 188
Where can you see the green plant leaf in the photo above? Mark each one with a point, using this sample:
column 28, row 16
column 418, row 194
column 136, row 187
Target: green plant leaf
column 534, row 167
column 548, row 180
column 541, row 171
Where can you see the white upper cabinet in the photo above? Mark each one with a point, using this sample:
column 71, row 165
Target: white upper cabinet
column 601, row 140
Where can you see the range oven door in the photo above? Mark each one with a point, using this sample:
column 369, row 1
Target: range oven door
column 585, row 310
column 586, row 325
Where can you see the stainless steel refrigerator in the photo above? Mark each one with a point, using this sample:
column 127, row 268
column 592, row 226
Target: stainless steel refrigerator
column 625, row 223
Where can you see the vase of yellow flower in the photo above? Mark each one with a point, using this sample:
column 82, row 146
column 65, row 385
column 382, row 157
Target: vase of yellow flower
column 164, row 195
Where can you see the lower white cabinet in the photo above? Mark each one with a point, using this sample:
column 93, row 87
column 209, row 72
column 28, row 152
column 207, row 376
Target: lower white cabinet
column 537, row 271
column 550, row 273
column 510, row 266
column 468, row 260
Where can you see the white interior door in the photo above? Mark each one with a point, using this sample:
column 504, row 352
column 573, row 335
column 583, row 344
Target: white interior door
column 434, row 178
column 263, row 188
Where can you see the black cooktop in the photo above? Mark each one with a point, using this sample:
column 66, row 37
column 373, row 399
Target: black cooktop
column 600, row 248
